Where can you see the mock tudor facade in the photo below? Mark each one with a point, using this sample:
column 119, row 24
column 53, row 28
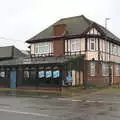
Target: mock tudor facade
column 79, row 36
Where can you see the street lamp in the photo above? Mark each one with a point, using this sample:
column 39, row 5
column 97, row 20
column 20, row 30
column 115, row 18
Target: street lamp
column 106, row 20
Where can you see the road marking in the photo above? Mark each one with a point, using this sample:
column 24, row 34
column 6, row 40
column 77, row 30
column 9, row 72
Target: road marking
column 7, row 107
column 44, row 96
column 66, row 99
column 25, row 113
column 77, row 100
column 89, row 101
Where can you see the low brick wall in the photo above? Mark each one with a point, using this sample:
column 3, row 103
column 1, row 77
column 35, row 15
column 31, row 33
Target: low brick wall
column 39, row 87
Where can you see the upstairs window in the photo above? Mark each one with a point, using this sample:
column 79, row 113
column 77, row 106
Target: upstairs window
column 92, row 43
column 42, row 48
column 75, row 45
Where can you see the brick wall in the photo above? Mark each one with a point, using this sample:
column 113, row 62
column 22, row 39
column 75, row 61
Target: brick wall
column 98, row 79
column 59, row 45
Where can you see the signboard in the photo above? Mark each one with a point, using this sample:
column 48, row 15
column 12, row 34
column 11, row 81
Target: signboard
column 69, row 77
column 27, row 61
column 56, row 74
column 41, row 74
column 48, row 74
column 2, row 74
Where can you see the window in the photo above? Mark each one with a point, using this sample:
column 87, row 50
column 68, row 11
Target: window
column 119, row 50
column 92, row 69
column 75, row 45
column 43, row 48
column 48, row 74
column 2, row 74
column 117, row 70
column 41, row 74
column 56, row 74
column 26, row 75
column 92, row 46
column 92, row 43
column 105, row 69
column 33, row 75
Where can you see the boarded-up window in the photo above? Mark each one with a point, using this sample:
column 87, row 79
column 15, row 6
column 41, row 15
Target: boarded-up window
column 33, row 75
column 105, row 69
column 117, row 70
column 92, row 68
column 26, row 75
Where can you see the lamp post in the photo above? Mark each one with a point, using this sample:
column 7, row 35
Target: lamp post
column 110, row 69
column 106, row 20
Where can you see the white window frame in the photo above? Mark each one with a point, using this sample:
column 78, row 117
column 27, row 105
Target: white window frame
column 105, row 69
column 92, row 41
column 42, row 48
column 75, row 45
column 92, row 68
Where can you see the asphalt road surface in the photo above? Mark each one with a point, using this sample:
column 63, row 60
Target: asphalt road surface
column 103, row 106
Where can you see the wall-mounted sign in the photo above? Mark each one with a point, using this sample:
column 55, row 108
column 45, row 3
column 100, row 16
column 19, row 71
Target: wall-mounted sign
column 41, row 74
column 48, row 74
column 69, row 77
column 2, row 74
column 27, row 61
column 56, row 74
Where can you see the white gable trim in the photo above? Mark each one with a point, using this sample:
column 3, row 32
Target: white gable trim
column 93, row 31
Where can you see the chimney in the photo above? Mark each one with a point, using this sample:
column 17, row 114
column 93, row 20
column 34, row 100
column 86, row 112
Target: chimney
column 58, row 44
column 59, row 29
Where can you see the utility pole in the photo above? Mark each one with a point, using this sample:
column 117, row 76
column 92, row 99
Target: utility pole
column 106, row 20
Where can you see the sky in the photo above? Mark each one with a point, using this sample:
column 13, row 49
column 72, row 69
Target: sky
column 22, row 19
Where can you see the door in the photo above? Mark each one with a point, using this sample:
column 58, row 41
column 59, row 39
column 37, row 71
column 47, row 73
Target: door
column 13, row 79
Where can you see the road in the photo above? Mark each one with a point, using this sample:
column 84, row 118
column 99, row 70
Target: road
column 103, row 106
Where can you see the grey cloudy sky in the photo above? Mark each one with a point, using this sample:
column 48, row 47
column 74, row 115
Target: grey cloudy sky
column 21, row 19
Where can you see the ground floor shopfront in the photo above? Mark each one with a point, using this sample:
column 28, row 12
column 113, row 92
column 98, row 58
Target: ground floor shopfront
column 73, row 72
column 35, row 75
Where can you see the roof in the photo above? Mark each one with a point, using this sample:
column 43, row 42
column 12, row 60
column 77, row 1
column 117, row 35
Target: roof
column 26, row 52
column 9, row 52
column 74, row 26
column 40, row 60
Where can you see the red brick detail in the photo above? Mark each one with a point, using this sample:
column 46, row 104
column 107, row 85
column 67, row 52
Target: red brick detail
column 59, row 29
column 3, row 86
column 27, row 87
column 98, row 79
column 39, row 88
column 116, row 80
column 59, row 45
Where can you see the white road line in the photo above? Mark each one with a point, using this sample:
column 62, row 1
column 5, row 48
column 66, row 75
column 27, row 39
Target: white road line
column 25, row 113
column 89, row 101
column 64, row 99
column 77, row 100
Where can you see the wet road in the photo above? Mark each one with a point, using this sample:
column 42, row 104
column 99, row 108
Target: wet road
column 104, row 106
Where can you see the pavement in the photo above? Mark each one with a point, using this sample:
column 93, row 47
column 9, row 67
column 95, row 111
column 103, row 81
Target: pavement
column 100, row 105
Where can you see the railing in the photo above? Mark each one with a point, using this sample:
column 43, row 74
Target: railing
column 74, row 53
column 51, row 54
column 41, row 55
